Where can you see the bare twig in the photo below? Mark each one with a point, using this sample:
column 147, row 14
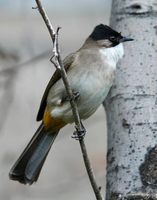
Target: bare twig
column 46, row 20
column 78, row 124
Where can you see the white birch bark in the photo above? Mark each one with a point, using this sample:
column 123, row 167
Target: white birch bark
column 132, row 105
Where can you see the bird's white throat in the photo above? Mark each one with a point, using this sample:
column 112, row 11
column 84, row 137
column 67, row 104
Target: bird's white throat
column 113, row 54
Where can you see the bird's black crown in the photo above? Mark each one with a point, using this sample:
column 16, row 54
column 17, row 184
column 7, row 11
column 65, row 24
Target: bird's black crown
column 102, row 32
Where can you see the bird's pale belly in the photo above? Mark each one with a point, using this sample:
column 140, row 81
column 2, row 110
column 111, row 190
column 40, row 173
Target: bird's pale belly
column 90, row 106
column 92, row 99
column 92, row 91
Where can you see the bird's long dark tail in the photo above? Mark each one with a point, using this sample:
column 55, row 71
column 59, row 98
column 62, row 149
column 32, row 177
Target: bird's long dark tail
column 27, row 168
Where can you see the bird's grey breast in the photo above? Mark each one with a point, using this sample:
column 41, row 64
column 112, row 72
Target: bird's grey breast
column 92, row 78
column 91, row 75
column 93, row 71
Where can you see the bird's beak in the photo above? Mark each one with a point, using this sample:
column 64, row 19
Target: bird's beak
column 125, row 39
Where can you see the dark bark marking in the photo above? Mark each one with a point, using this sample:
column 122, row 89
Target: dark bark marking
column 155, row 27
column 148, row 169
column 139, row 196
column 125, row 124
column 138, row 9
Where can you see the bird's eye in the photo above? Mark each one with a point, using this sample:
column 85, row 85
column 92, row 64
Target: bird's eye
column 112, row 39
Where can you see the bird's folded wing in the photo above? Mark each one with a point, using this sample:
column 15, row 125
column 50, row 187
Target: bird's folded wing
column 56, row 76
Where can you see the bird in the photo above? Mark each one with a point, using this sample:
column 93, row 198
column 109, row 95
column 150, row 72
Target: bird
column 90, row 71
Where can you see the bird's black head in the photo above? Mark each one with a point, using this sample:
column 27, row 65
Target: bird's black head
column 107, row 37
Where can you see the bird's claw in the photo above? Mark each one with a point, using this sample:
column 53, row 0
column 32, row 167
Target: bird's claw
column 79, row 134
column 76, row 95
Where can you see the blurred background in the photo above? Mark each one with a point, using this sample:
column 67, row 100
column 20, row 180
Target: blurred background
column 25, row 49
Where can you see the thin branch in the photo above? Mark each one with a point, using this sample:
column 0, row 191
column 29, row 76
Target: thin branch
column 78, row 124
column 46, row 20
column 67, row 87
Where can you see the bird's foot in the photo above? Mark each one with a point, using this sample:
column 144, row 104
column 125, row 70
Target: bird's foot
column 75, row 96
column 79, row 134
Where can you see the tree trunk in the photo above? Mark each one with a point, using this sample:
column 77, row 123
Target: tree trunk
column 132, row 105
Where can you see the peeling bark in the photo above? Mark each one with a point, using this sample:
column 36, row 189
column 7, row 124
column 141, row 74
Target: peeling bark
column 132, row 105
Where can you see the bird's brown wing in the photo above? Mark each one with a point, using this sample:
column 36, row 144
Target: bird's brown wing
column 56, row 76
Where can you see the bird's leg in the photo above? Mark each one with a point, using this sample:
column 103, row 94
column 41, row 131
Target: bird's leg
column 79, row 134
column 76, row 95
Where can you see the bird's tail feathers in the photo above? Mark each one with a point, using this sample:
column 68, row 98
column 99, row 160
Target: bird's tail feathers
column 27, row 168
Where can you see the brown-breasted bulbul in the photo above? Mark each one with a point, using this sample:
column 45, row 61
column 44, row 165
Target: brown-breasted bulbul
column 90, row 72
